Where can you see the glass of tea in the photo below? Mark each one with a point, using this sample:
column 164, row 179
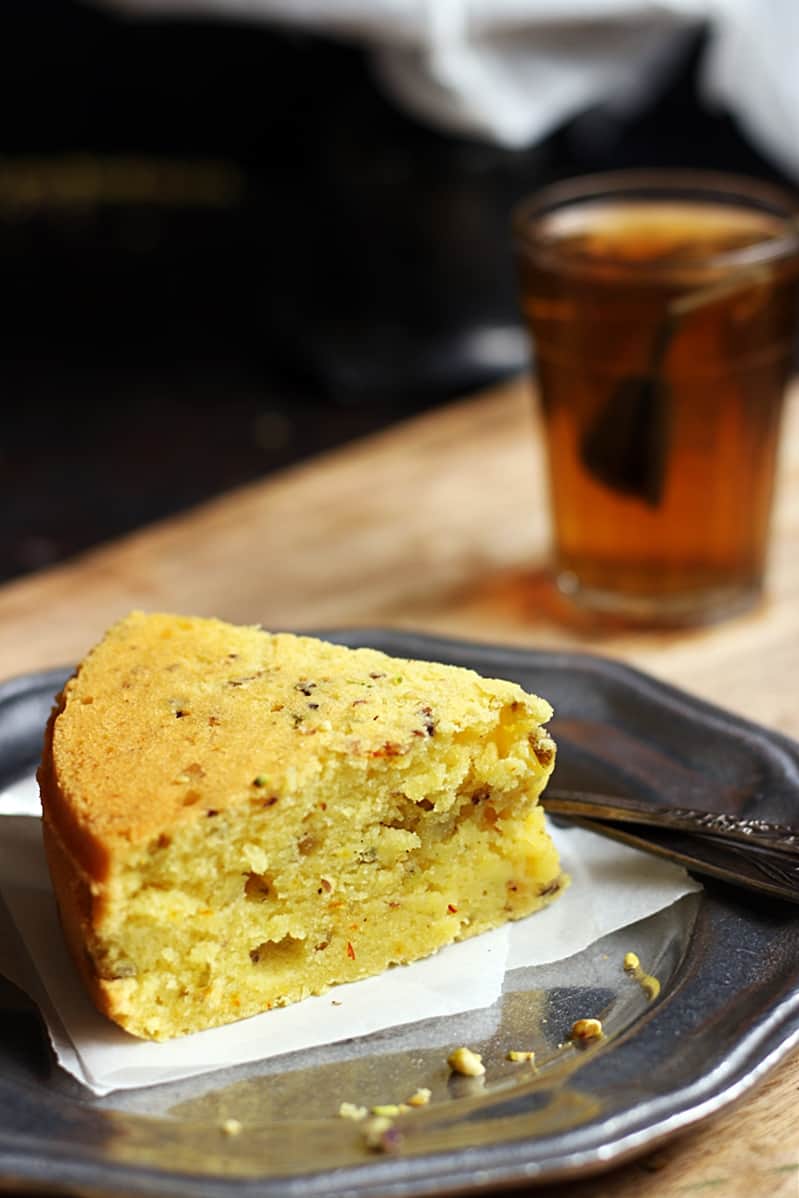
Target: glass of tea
column 663, row 314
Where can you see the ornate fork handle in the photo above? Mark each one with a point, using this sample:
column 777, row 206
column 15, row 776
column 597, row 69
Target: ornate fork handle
column 757, row 833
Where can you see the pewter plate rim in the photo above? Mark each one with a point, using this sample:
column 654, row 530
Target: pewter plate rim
column 773, row 1023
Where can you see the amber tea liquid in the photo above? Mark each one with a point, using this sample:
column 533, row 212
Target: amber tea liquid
column 662, row 355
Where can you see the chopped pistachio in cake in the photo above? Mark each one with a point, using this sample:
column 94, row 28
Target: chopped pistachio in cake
column 236, row 819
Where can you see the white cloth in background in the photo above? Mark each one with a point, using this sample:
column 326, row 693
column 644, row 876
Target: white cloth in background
column 511, row 71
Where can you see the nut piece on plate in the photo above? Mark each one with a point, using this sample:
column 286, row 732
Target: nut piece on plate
column 463, row 1060
column 586, row 1031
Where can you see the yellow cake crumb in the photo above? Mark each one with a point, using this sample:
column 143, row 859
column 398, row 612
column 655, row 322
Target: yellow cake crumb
column 349, row 1110
column 647, row 981
column 420, row 1097
column 377, row 1133
column 517, row 1054
column 463, row 1060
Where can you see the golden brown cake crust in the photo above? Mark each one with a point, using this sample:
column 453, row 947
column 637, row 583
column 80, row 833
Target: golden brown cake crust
column 75, row 913
column 149, row 734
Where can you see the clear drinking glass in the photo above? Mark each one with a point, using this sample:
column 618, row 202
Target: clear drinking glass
column 663, row 314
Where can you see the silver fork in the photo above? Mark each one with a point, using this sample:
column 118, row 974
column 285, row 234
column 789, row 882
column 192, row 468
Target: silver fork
column 754, row 853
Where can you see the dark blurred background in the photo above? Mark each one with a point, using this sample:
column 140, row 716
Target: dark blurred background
column 223, row 250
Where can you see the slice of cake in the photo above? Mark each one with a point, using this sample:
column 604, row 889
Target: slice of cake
column 235, row 820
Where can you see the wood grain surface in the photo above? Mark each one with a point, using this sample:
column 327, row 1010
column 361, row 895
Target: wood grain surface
column 441, row 525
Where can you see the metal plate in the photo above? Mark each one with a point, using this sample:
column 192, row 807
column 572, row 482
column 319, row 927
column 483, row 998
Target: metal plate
column 729, row 1006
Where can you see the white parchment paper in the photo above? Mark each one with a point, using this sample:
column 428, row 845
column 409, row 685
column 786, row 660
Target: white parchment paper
column 612, row 887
